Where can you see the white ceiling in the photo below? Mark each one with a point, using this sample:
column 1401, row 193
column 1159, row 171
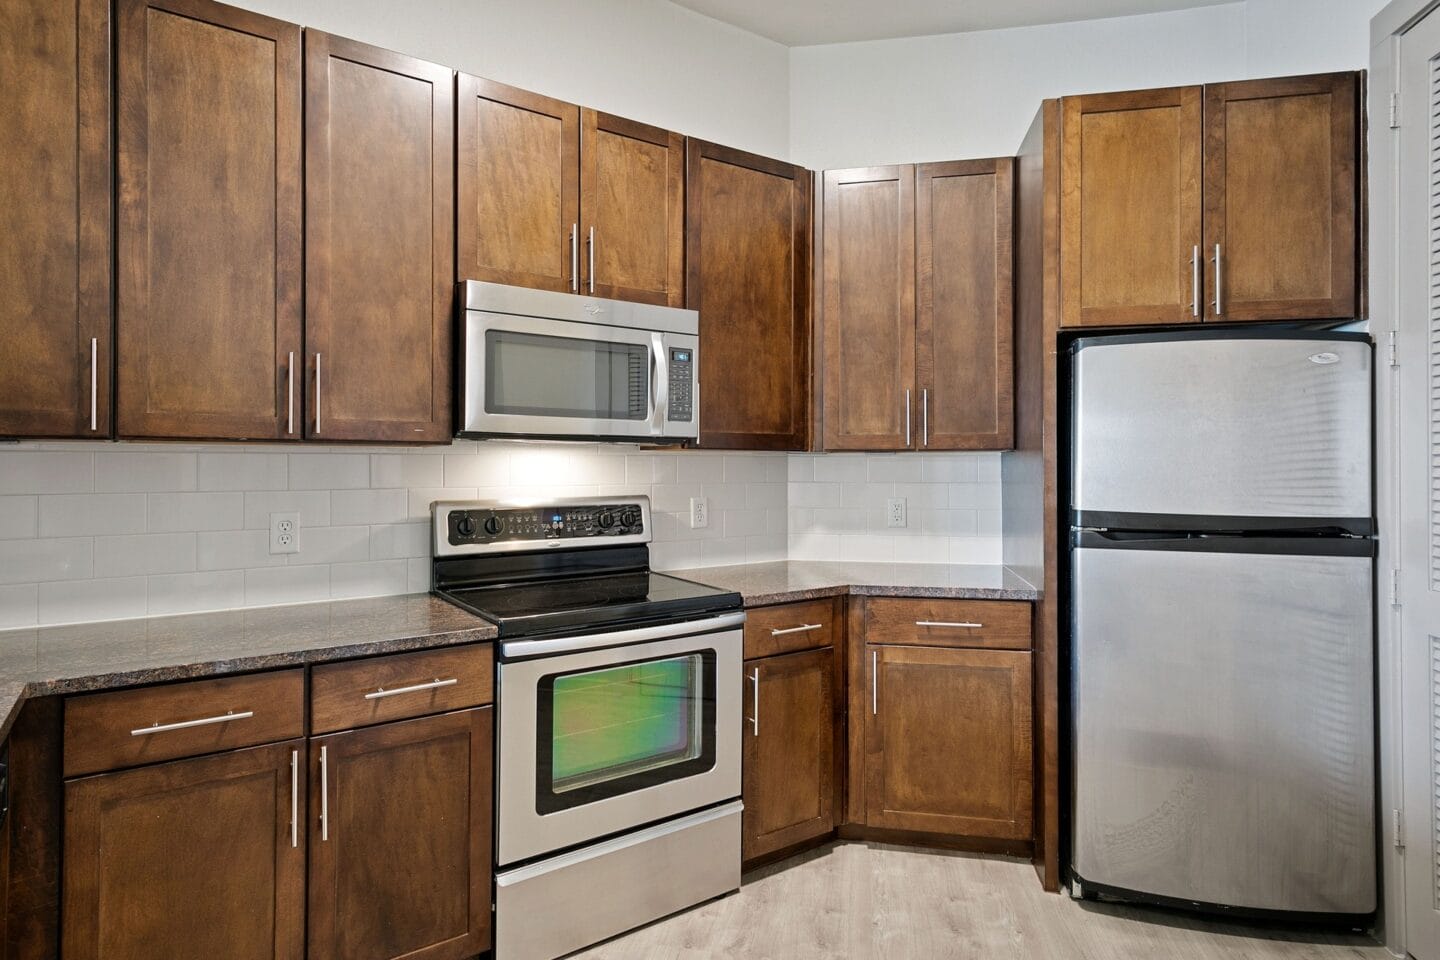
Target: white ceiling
column 804, row 22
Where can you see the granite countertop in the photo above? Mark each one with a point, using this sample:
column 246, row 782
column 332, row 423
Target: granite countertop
column 40, row 661
column 783, row 581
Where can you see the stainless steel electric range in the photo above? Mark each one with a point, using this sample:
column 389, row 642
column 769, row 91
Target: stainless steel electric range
column 618, row 709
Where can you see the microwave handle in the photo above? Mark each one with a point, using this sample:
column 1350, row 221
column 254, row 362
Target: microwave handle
column 660, row 363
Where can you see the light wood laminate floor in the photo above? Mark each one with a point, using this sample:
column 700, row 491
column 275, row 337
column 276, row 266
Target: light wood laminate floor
column 864, row 901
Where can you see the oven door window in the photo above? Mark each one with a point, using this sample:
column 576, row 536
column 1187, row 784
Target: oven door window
column 617, row 729
column 527, row 374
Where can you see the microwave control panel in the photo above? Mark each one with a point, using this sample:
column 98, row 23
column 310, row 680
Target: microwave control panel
column 682, row 384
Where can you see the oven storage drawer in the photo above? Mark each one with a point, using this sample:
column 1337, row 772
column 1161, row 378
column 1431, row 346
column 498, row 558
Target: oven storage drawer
column 126, row 728
column 616, row 885
column 358, row 693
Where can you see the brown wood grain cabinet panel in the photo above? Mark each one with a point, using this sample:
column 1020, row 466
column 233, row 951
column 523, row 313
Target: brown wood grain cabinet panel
column 401, row 867
column 208, row 239
column 1130, row 207
column 1002, row 624
column 790, row 755
column 964, row 319
column 948, row 741
column 1281, row 197
column 55, row 218
column 632, row 210
column 747, row 236
column 36, row 817
column 187, row 859
column 869, row 309
column 338, row 691
column 379, row 243
column 518, row 187
column 787, row 627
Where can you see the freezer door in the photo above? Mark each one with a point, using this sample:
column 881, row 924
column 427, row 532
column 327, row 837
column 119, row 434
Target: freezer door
column 1256, row 432
column 1223, row 728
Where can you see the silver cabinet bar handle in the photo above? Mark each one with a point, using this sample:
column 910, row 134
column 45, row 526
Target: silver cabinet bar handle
column 925, row 417
column 803, row 628
column 907, row 417
column 574, row 258
column 755, row 701
column 1218, row 311
column 94, row 383
column 290, row 393
column 1195, row 281
column 324, row 793
column 874, row 682
column 294, row 798
column 317, row 393
column 591, row 244
column 382, row 693
column 189, row 724
column 948, row 623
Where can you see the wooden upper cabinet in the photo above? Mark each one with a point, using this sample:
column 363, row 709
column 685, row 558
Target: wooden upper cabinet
column 208, row 237
column 964, row 322
column 632, row 210
column 400, row 843
column 519, row 187
column 55, row 203
column 748, row 240
column 195, row 858
column 1281, row 191
column 869, row 309
column 379, row 243
column 1130, row 209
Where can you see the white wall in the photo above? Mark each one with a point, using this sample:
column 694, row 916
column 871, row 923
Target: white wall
column 1307, row 36
column 649, row 60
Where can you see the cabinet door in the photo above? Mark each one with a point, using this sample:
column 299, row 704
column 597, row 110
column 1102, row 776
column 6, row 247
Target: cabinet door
column 790, row 748
column 1130, row 208
column 632, row 210
column 947, row 741
column 55, row 219
column 519, row 187
column 208, row 239
column 379, row 242
column 964, row 323
column 1281, row 194
column 747, row 239
column 195, row 858
column 869, row 304
column 400, row 850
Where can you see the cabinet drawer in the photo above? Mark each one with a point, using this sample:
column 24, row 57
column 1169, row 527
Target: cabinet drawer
column 361, row 692
column 791, row 626
column 998, row 624
column 107, row 731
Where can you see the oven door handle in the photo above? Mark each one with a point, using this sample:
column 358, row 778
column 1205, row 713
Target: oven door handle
column 515, row 649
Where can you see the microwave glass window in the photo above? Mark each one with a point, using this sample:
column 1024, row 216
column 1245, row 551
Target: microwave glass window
column 527, row 374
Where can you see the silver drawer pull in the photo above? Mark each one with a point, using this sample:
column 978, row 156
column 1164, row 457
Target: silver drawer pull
column 803, row 628
column 187, row 724
column 948, row 623
column 382, row 693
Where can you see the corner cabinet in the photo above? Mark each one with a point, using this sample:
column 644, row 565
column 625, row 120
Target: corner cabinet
column 748, row 242
column 55, row 207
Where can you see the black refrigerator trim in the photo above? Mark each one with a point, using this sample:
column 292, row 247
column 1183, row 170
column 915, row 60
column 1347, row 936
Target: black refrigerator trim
column 1208, row 523
column 1096, row 891
column 1180, row 542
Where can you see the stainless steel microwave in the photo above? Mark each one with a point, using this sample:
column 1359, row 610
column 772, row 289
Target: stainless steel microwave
column 535, row 363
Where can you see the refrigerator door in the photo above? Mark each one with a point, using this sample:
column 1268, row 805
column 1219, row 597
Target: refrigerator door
column 1222, row 431
column 1223, row 727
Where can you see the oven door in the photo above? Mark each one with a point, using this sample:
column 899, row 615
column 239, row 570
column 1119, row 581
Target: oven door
column 531, row 376
column 598, row 741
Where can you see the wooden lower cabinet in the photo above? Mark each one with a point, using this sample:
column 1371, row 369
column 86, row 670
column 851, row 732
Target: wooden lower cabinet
column 791, row 741
column 400, row 839
column 194, row 858
column 947, row 741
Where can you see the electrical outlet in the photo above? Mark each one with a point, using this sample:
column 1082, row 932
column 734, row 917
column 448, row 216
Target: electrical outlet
column 895, row 512
column 699, row 513
column 285, row 532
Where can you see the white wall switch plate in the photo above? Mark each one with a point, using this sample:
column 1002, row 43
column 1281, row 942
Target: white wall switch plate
column 895, row 512
column 285, row 532
column 699, row 513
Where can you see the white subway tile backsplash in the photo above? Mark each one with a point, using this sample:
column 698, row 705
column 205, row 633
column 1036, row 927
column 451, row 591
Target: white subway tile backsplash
column 948, row 467
column 312, row 505
column 269, row 585
column 700, row 468
column 417, row 576
column 841, row 468
column 329, row 471
column 36, row 561
column 18, row 605
column 815, row 495
column 418, row 502
column 745, row 469
column 191, row 592
column 332, row 545
column 399, row 541
column 44, row 471
column 235, row 550
column 144, row 553
column 91, row 514
column 407, row 470
column 368, row 506
column 112, row 599
column 376, row 578
column 244, row 471
column 196, row 511
column 18, row 516
column 144, row 470
column 893, row 467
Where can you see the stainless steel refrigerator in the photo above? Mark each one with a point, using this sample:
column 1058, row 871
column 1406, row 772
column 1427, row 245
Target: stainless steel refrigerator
column 1221, row 583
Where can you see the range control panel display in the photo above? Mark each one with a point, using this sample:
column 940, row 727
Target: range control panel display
column 682, row 379
column 506, row 525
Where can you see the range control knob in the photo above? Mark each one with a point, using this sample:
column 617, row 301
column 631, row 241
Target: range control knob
column 465, row 526
column 493, row 526
column 630, row 518
column 606, row 520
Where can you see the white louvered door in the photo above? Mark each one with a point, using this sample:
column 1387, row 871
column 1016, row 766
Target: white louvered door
column 1418, row 342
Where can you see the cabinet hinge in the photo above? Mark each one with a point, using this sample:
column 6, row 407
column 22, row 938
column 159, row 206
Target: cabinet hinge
column 1395, row 587
column 1397, row 829
column 1394, row 111
column 1390, row 347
